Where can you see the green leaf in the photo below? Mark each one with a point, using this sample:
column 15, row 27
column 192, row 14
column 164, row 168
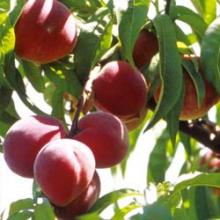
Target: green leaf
column 57, row 104
column 158, row 162
column 63, row 78
column 5, row 97
column 198, row 179
column 180, row 214
column 7, row 38
column 122, row 212
column 33, row 74
column 15, row 13
column 43, row 212
column 210, row 54
column 112, row 198
column 130, row 22
column 89, row 216
column 170, row 68
column 155, row 211
column 23, row 204
column 206, row 8
column 94, row 40
column 16, row 82
column 172, row 118
column 4, row 5
column 196, row 77
column 188, row 16
column 25, row 215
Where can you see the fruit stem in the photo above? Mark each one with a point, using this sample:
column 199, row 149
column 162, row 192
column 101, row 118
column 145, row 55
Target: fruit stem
column 74, row 127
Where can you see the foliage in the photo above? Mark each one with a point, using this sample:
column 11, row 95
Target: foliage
column 108, row 31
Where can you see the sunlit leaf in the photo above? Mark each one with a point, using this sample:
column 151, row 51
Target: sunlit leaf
column 210, row 54
column 170, row 68
column 130, row 22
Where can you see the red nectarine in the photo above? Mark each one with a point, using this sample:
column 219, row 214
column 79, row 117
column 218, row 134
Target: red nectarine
column 81, row 204
column 191, row 110
column 25, row 138
column 106, row 136
column 63, row 169
column 120, row 89
column 146, row 46
column 45, row 31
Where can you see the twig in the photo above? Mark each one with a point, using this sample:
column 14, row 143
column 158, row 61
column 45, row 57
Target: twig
column 74, row 126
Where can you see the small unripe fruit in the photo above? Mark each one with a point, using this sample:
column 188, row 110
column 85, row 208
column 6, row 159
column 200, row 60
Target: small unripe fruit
column 146, row 46
column 120, row 89
column 81, row 204
column 25, row 138
column 107, row 137
column 45, row 31
column 63, row 169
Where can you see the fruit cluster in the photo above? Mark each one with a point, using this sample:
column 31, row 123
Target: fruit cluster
column 39, row 146
column 65, row 168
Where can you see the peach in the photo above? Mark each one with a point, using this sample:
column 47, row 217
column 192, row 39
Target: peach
column 106, row 135
column 82, row 203
column 191, row 110
column 63, row 169
column 45, row 31
column 25, row 138
column 146, row 46
column 120, row 89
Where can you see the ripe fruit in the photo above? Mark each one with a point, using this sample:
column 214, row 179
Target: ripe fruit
column 45, row 31
column 63, row 169
column 25, row 138
column 190, row 109
column 106, row 136
column 146, row 46
column 81, row 204
column 120, row 89
column 210, row 161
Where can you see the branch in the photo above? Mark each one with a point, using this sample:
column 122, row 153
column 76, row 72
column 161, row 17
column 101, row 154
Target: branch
column 202, row 130
column 74, row 126
column 167, row 7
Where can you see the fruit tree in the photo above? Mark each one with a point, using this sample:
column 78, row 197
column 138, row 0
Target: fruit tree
column 113, row 74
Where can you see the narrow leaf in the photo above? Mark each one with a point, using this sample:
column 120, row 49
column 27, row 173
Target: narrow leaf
column 130, row 22
column 170, row 68
column 210, row 54
column 188, row 16
column 113, row 197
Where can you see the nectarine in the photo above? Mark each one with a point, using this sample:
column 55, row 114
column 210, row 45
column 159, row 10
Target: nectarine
column 106, row 136
column 146, row 46
column 120, row 89
column 45, row 31
column 82, row 203
column 191, row 110
column 25, row 138
column 63, row 169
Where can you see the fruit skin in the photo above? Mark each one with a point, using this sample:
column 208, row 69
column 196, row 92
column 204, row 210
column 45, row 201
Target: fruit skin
column 25, row 138
column 63, row 169
column 190, row 109
column 45, row 31
column 120, row 89
column 146, row 46
column 81, row 204
column 106, row 135
column 210, row 161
